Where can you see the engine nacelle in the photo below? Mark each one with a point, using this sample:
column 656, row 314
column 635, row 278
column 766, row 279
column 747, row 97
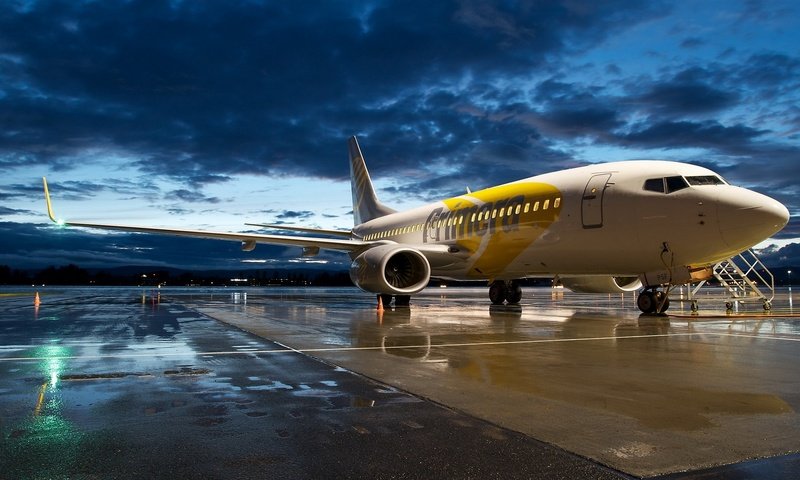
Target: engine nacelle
column 391, row 269
column 591, row 284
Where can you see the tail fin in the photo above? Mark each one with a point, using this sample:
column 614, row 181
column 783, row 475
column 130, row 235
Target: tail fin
column 365, row 202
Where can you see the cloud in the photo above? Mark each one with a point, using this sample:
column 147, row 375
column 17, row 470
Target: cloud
column 686, row 97
column 692, row 42
column 4, row 211
column 180, row 88
column 295, row 215
column 775, row 256
column 682, row 134
column 191, row 196
column 169, row 101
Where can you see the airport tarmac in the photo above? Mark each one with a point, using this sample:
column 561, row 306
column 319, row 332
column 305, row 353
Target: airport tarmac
column 315, row 383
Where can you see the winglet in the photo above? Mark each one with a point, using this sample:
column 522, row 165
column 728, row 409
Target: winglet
column 49, row 204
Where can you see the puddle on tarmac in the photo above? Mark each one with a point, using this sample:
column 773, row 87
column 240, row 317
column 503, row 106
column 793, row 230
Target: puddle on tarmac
column 349, row 401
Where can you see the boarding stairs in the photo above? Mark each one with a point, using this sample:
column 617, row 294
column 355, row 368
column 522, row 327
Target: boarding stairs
column 745, row 279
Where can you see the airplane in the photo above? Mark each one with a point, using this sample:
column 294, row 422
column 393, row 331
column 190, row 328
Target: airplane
column 641, row 225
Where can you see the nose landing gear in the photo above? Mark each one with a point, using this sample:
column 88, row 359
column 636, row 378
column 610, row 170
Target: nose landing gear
column 652, row 300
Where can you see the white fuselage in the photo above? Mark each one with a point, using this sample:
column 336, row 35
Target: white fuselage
column 606, row 219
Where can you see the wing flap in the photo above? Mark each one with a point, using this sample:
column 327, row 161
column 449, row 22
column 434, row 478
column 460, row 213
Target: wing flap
column 292, row 228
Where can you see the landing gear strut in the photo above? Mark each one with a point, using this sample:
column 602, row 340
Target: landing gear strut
column 652, row 300
column 505, row 291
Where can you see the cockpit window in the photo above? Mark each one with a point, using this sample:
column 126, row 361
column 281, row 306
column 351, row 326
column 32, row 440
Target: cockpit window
column 705, row 180
column 654, row 185
column 676, row 183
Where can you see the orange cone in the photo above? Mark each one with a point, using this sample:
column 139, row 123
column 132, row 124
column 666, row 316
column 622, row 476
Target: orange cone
column 380, row 303
column 36, row 301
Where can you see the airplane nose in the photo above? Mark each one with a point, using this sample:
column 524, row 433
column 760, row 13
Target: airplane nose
column 747, row 217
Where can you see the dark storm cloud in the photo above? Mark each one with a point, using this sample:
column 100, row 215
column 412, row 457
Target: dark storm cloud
column 4, row 211
column 443, row 95
column 682, row 134
column 692, row 42
column 295, row 215
column 686, row 98
column 774, row 256
column 199, row 91
column 191, row 196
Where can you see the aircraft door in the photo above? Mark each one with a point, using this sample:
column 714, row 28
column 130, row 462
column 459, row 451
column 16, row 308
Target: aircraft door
column 592, row 203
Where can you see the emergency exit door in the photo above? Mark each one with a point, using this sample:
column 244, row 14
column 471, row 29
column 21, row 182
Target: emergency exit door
column 592, row 203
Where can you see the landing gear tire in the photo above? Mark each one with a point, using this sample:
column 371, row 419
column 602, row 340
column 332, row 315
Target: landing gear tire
column 514, row 294
column 386, row 299
column 501, row 292
column 646, row 302
column 652, row 301
column 402, row 300
column 694, row 306
column 498, row 292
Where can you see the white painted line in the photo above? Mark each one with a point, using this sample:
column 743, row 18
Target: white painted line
column 288, row 349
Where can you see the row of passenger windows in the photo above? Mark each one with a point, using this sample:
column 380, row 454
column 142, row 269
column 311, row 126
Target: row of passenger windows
column 476, row 217
column 673, row 184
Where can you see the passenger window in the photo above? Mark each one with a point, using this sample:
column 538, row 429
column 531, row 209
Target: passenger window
column 517, row 210
column 676, row 183
column 546, row 204
column 527, row 208
column 536, row 206
column 654, row 185
column 494, row 213
column 557, row 202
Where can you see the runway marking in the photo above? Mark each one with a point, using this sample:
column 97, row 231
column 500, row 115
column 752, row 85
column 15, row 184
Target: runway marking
column 288, row 349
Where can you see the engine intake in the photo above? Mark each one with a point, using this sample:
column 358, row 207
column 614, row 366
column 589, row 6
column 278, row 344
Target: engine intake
column 391, row 269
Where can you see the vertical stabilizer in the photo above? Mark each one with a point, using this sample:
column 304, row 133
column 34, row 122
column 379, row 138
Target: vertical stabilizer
column 365, row 202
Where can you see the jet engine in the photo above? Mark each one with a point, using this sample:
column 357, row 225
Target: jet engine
column 391, row 269
column 592, row 284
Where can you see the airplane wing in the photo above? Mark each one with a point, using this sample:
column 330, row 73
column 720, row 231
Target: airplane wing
column 321, row 231
column 248, row 239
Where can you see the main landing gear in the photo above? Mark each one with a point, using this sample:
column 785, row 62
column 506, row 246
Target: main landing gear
column 505, row 291
column 399, row 300
column 652, row 300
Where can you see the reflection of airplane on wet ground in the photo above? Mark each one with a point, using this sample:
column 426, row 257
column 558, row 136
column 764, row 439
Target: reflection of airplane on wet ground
column 610, row 227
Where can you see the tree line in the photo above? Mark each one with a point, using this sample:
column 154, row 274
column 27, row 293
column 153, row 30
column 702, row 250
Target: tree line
column 74, row 275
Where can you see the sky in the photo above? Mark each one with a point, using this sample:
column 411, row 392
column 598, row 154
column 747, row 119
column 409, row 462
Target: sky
column 212, row 114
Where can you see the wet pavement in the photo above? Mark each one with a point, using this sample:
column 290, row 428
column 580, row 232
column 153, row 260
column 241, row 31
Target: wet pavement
column 315, row 383
column 112, row 384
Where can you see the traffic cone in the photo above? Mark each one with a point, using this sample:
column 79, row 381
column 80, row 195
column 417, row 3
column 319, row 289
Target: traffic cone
column 380, row 303
column 36, row 301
